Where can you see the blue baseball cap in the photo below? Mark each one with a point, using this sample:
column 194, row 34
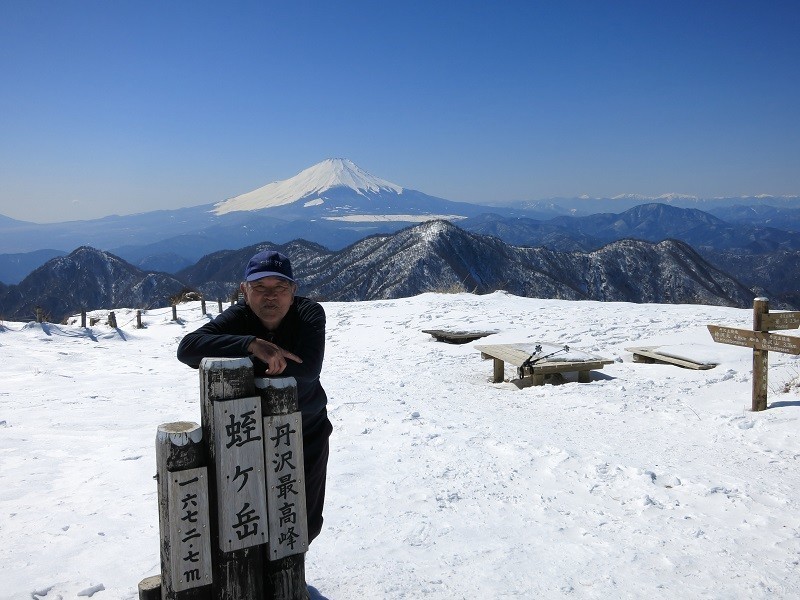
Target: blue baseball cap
column 268, row 263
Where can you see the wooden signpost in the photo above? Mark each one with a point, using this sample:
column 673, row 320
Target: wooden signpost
column 183, row 511
column 762, row 342
column 242, row 497
column 232, row 507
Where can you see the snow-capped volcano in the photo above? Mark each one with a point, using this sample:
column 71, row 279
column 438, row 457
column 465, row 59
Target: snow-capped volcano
column 338, row 190
column 310, row 186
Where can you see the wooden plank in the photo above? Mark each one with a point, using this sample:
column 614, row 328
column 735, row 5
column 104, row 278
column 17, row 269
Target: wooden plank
column 288, row 526
column 237, row 574
column 186, row 562
column 242, row 505
column 457, row 337
column 546, row 368
column 781, row 320
column 284, row 579
column 505, row 352
column 190, row 546
column 652, row 353
column 759, row 340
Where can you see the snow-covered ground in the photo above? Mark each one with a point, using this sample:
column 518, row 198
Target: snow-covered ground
column 651, row 481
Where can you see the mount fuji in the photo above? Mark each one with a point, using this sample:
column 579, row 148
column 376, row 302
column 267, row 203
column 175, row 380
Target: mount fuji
column 333, row 203
column 337, row 189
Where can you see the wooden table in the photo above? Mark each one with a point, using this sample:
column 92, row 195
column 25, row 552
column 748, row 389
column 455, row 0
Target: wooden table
column 534, row 374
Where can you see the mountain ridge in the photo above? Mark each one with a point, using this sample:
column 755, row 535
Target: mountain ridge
column 438, row 255
column 432, row 257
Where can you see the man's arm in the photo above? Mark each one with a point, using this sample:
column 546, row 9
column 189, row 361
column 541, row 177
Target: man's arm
column 226, row 336
column 230, row 335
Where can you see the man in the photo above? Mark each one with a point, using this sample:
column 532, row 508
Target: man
column 283, row 334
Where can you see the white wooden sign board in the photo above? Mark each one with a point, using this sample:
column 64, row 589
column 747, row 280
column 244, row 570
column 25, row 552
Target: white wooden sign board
column 283, row 447
column 760, row 340
column 189, row 537
column 241, row 496
column 781, row 320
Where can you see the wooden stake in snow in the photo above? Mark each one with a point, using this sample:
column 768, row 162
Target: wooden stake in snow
column 762, row 343
column 286, row 499
column 183, row 512
column 238, row 573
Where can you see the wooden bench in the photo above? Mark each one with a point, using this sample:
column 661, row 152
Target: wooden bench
column 651, row 354
column 572, row 360
column 457, row 337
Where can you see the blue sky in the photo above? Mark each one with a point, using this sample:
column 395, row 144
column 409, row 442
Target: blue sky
column 121, row 107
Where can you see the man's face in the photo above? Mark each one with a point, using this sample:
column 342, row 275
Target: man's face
column 270, row 298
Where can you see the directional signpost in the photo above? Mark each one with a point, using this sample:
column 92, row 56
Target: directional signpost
column 762, row 342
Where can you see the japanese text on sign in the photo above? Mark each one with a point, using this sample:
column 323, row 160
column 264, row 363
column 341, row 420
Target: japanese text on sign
column 774, row 342
column 190, row 547
column 283, row 447
column 240, row 473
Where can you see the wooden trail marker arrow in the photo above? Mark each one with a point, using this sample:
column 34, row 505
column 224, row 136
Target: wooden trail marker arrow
column 784, row 320
column 761, row 342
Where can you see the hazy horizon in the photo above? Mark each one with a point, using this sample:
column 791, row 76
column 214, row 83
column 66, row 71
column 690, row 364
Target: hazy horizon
column 132, row 107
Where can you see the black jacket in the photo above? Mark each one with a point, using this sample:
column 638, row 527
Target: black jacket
column 301, row 332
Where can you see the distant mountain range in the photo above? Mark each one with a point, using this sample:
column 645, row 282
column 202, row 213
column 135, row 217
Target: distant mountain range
column 336, row 206
column 766, row 259
column 333, row 203
column 435, row 256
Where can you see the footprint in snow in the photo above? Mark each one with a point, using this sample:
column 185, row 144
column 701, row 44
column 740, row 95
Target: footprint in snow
column 42, row 592
column 91, row 591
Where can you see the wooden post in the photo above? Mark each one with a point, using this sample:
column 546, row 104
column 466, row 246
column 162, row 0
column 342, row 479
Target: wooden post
column 112, row 320
column 83, row 318
column 203, row 305
column 219, row 304
column 760, row 358
column 150, row 588
column 174, row 312
column 238, row 575
column 762, row 342
column 39, row 314
column 138, row 319
column 288, row 527
column 499, row 372
column 183, row 512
